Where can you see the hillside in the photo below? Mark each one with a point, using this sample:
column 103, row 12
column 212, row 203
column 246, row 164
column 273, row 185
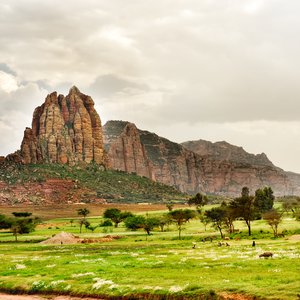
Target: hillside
column 57, row 183
column 201, row 166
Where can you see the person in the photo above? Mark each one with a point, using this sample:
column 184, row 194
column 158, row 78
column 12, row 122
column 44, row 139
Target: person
column 253, row 244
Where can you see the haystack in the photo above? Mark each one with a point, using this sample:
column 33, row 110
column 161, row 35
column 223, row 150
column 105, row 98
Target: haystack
column 62, row 238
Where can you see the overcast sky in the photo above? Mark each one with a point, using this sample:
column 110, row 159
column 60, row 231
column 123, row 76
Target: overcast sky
column 185, row 69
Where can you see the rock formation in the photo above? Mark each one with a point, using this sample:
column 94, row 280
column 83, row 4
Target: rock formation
column 132, row 150
column 218, row 168
column 65, row 130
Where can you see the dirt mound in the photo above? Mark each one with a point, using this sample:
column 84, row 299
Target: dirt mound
column 62, row 238
column 295, row 237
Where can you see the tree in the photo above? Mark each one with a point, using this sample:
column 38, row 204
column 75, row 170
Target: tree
column 163, row 221
column 204, row 220
column 170, row 206
column 273, row 218
column 83, row 212
column 230, row 216
column 4, row 222
column 264, row 199
column 134, row 222
column 217, row 216
column 180, row 217
column 23, row 225
column 116, row 215
column 140, row 222
column 291, row 203
column 243, row 207
column 21, row 214
column 198, row 200
column 150, row 224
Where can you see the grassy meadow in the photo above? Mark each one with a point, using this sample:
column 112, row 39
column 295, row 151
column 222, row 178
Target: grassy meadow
column 158, row 266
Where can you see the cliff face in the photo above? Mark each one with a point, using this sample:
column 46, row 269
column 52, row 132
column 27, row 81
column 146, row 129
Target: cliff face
column 133, row 150
column 223, row 151
column 65, row 130
column 192, row 167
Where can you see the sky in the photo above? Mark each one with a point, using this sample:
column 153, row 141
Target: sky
column 184, row 69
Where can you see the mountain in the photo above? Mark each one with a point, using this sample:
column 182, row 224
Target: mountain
column 62, row 160
column 199, row 166
column 67, row 142
column 64, row 130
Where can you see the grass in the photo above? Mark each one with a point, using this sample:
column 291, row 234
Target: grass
column 114, row 186
column 161, row 266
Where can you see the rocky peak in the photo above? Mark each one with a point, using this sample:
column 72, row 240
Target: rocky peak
column 64, row 130
column 223, row 151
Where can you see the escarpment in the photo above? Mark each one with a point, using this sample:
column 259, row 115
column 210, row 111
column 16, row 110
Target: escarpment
column 65, row 130
column 201, row 166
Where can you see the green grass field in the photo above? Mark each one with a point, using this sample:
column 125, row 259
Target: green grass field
column 159, row 266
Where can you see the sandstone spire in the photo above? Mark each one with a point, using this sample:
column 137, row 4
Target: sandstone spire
column 64, row 130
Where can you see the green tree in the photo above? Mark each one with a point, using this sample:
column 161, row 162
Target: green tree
column 170, row 206
column 217, row 216
column 23, row 225
column 198, row 200
column 243, row 207
column 230, row 216
column 21, row 214
column 273, row 217
column 83, row 212
column 116, row 215
column 180, row 217
column 204, row 220
column 264, row 199
column 164, row 220
column 134, row 222
column 4, row 222
column 291, row 203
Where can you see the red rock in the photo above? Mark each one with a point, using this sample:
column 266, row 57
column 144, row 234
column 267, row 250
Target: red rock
column 213, row 168
column 64, row 130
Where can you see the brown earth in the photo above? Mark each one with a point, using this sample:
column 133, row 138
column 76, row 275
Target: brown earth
column 47, row 212
column 50, row 191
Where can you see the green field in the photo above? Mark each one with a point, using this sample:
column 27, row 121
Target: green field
column 156, row 267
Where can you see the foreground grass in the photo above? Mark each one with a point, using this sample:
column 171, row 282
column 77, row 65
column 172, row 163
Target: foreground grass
column 159, row 266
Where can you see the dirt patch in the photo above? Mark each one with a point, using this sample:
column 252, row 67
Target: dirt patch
column 295, row 237
column 227, row 296
column 62, row 238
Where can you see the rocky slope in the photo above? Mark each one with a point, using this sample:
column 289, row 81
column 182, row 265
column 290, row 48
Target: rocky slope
column 64, row 130
column 192, row 167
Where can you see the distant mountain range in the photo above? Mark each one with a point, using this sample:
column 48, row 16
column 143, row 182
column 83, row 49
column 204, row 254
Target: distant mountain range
column 67, row 130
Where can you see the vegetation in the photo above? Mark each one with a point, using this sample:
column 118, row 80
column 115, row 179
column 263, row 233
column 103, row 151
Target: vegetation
column 116, row 215
column 114, row 186
column 180, row 217
column 161, row 267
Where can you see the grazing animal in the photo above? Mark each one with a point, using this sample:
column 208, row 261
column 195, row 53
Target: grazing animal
column 266, row 254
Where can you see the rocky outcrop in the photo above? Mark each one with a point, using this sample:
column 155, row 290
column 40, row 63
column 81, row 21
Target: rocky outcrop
column 65, row 130
column 223, row 151
column 132, row 150
column 212, row 168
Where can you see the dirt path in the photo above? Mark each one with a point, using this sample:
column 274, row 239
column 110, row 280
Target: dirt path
column 33, row 297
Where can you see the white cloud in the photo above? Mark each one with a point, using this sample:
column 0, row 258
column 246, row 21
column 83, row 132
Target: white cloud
column 198, row 67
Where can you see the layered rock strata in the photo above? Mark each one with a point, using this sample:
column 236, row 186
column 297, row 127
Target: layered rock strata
column 214, row 169
column 65, row 130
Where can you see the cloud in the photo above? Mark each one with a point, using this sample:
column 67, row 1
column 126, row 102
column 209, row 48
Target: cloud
column 156, row 63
